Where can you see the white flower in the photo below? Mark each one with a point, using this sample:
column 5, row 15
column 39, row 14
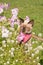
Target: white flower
column 12, row 29
column 33, row 42
column 9, row 51
column 12, row 49
column 5, row 32
column 26, row 51
column 16, row 41
column 38, row 64
column 32, row 55
column 1, row 10
column 36, row 42
column 0, row 27
column 12, row 41
column 16, row 60
column 17, row 48
column 8, row 41
column 8, row 62
column 37, row 58
column 3, row 41
column 20, row 61
column 10, row 33
column 33, row 32
column 30, row 58
column 3, row 18
column 40, row 34
column 37, row 51
column 13, row 62
column 1, row 49
column 1, row 55
column 4, row 45
column 7, row 45
column 30, row 48
column 40, row 47
column 29, row 44
column 4, row 63
column 34, row 61
column 12, row 54
column 42, row 43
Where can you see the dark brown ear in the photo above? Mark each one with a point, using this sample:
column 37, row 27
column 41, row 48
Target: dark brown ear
column 21, row 20
column 31, row 22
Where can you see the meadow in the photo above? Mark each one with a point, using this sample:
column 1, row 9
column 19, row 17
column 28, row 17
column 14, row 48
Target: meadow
column 10, row 52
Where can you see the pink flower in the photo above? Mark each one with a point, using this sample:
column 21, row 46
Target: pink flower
column 23, row 37
column 13, row 19
column 2, row 18
column 6, row 6
column 14, row 11
column 1, row 10
column 2, row 5
column 20, row 37
column 12, row 23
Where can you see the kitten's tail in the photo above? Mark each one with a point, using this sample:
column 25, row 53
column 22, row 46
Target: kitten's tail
column 37, row 37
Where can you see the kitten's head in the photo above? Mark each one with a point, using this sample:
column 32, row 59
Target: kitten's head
column 26, row 26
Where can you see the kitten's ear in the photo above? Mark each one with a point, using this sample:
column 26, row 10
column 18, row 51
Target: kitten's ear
column 31, row 22
column 21, row 20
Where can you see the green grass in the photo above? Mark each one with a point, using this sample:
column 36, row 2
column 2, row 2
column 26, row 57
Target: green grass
column 34, row 9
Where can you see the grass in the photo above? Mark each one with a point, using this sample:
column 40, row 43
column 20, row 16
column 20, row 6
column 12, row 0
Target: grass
column 34, row 9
